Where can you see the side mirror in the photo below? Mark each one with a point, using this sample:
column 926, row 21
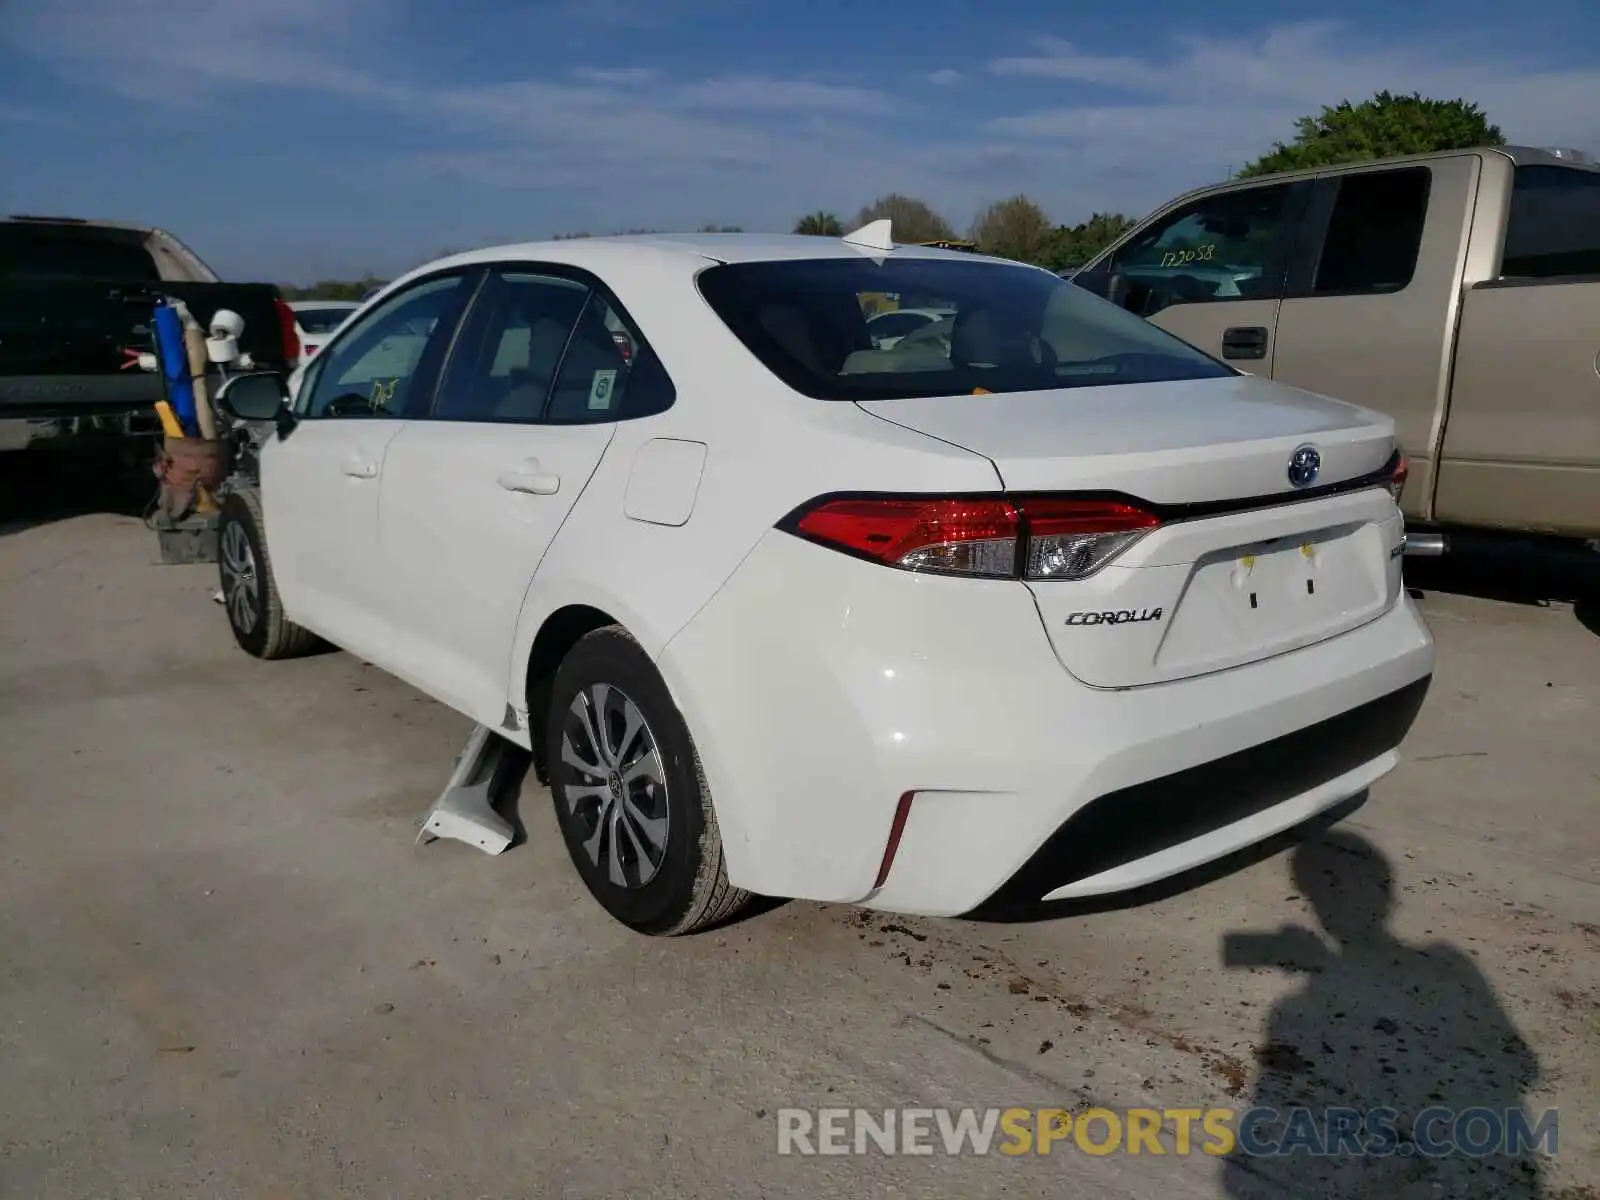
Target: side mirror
column 255, row 397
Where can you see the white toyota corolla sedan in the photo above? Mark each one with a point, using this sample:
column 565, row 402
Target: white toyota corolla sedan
column 1058, row 607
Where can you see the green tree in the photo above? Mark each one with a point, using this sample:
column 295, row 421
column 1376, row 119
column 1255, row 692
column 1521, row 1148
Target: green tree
column 721, row 229
column 1384, row 126
column 332, row 289
column 1074, row 245
column 1014, row 228
column 820, row 224
column 912, row 219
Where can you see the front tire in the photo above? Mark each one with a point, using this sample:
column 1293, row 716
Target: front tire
column 629, row 792
column 249, row 591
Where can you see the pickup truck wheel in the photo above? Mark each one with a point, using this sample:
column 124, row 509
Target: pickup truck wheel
column 249, row 592
column 629, row 792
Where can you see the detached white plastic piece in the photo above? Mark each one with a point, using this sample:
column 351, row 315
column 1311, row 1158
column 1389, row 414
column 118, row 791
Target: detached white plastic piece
column 222, row 350
column 225, row 323
column 878, row 235
column 465, row 809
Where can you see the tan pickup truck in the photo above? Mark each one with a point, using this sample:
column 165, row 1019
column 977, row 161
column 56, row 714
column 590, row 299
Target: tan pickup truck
column 1458, row 292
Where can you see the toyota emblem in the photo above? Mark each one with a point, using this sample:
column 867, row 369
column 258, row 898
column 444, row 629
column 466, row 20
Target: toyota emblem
column 1305, row 464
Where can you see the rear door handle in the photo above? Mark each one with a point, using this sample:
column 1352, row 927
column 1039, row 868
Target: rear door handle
column 1244, row 341
column 530, row 480
column 360, row 468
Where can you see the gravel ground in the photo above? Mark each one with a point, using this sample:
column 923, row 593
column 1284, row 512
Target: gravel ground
column 226, row 970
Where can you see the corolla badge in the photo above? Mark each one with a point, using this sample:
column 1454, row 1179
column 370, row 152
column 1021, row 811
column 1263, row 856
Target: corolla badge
column 1305, row 464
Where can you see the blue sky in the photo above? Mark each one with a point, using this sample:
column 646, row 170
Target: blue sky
column 298, row 139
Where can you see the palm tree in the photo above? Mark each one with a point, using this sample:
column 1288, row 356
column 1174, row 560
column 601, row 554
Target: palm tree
column 820, row 224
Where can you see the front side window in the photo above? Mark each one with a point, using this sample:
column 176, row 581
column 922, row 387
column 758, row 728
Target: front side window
column 1221, row 247
column 371, row 369
column 1011, row 328
column 1554, row 226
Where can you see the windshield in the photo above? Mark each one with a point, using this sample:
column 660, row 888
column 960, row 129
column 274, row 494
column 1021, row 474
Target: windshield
column 1008, row 329
column 323, row 319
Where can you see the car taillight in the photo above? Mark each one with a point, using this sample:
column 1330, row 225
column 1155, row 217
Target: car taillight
column 1396, row 481
column 991, row 537
column 287, row 332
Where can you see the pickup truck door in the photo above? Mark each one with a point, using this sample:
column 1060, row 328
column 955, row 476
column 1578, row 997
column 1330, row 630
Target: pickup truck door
column 474, row 496
column 1210, row 271
column 320, row 483
column 1372, row 299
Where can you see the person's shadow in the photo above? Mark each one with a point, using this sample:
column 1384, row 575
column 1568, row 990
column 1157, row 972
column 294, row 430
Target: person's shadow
column 1378, row 1024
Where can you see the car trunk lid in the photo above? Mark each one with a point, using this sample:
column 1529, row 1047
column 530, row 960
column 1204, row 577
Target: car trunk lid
column 1244, row 564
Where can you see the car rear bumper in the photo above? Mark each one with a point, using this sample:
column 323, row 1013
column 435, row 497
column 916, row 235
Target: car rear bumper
column 821, row 690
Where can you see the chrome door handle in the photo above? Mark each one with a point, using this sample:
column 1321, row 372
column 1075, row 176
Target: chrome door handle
column 535, row 483
column 360, row 468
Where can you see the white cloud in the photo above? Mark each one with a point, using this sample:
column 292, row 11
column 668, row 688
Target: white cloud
column 614, row 75
column 945, row 77
column 754, row 92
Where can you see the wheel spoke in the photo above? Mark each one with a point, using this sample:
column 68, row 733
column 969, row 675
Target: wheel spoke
column 577, row 793
column 602, row 719
column 647, row 767
column 592, row 845
column 632, row 727
column 618, row 876
column 570, row 756
column 652, row 829
column 581, row 707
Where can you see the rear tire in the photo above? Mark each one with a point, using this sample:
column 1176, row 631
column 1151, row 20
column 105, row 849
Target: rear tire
column 638, row 822
column 249, row 591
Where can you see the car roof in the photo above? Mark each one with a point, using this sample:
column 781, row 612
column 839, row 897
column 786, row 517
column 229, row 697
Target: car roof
column 708, row 247
column 620, row 254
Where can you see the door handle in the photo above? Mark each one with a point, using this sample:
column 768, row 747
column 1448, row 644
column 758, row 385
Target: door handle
column 1244, row 341
column 533, row 481
column 360, row 468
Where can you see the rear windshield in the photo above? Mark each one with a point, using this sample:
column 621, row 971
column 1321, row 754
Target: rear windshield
column 1554, row 226
column 59, row 252
column 322, row 320
column 1008, row 329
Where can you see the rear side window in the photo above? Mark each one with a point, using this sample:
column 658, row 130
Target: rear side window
column 1010, row 329
column 43, row 253
column 1554, row 225
column 1375, row 232
column 510, row 349
column 609, row 373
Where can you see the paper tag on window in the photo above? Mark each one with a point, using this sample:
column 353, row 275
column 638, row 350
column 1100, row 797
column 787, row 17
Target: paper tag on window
column 600, row 389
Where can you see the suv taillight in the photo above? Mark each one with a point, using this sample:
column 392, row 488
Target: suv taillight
column 988, row 537
column 289, row 335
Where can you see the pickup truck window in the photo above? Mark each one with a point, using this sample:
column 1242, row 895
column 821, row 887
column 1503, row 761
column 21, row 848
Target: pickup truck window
column 53, row 252
column 1375, row 232
column 1220, row 247
column 1554, row 225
